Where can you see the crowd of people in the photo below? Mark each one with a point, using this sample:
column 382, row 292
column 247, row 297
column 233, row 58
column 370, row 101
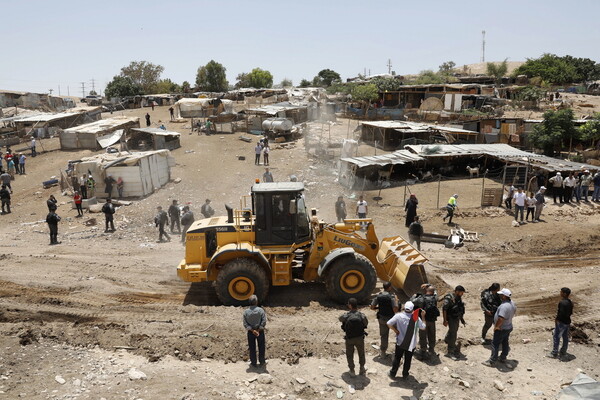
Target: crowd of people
column 14, row 164
column 414, row 325
column 262, row 148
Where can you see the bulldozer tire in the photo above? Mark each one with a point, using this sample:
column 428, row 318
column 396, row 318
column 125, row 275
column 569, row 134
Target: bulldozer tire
column 239, row 279
column 351, row 275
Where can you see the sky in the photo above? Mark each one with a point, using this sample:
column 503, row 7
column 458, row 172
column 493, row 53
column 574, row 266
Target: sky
column 59, row 44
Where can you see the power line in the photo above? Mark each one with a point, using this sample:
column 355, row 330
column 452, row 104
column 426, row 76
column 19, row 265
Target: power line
column 82, row 89
column 482, row 46
column 93, row 84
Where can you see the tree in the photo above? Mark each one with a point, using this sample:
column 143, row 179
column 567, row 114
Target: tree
column 286, row 83
column 447, row 67
column 93, row 93
column 304, row 83
column 326, row 77
column 185, row 87
column 365, row 93
column 428, row 77
column 554, row 132
column 122, row 86
column 212, row 78
column 590, row 131
column 550, row 68
column 257, row 78
column 386, row 84
column 143, row 73
column 585, row 69
column 165, row 86
column 498, row 71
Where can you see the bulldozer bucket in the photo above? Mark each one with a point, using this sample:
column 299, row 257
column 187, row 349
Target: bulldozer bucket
column 401, row 265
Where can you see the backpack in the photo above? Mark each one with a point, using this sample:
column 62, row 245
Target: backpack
column 385, row 311
column 354, row 326
column 431, row 310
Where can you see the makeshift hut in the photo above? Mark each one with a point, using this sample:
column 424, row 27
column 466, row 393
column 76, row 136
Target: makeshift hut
column 142, row 172
column 45, row 124
column 202, row 108
column 152, row 139
column 296, row 113
column 88, row 136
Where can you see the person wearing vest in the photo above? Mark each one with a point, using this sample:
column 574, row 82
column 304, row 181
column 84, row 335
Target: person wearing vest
column 427, row 337
column 386, row 305
column 354, row 324
column 490, row 301
column 453, row 311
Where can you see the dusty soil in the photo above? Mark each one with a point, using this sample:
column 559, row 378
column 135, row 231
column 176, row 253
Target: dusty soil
column 97, row 305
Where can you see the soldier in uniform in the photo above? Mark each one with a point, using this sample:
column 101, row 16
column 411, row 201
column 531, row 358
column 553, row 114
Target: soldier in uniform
column 160, row 220
column 490, row 301
column 386, row 305
column 427, row 337
column 453, row 312
column 354, row 324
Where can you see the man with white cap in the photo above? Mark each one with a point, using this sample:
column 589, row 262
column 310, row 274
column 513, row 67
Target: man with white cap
column 502, row 328
column 557, row 187
column 405, row 325
column 540, row 202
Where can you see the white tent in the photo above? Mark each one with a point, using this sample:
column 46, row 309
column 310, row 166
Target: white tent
column 199, row 108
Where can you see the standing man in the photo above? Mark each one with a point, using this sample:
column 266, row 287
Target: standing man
column 411, row 209
column 91, row 186
column 147, row 119
column 267, row 176
column 109, row 181
column 22, row 159
column 340, row 209
column 362, row 208
column 405, row 325
column 502, row 328
column 509, row 197
column 77, row 200
column 415, row 232
column 5, row 198
column 570, row 184
column 386, row 305
column 354, row 324
column 257, row 151
column 450, row 208
column 255, row 320
column 5, row 180
column 206, row 209
column 174, row 213
column 519, row 198
column 596, row 180
column 557, row 187
column 266, row 152
column 32, row 145
column 453, row 312
column 490, row 301
column 172, row 113
column 52, row 219
column 187, row 219
column 120, row 186
column 540, row 201
column 83, row 186
column 586, row 182
column 160, row 220
column 109, row 210
column 562, row 324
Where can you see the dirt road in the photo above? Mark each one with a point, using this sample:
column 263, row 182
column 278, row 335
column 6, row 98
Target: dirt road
column 97, row 305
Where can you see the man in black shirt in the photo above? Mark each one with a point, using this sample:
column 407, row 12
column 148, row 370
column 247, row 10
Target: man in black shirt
column 562, row 324
column 354, row 324
column 453, row 313
column 415, row 232
column 386, row 305
column 52, row 219
column 174, row 216
column 490, row 301
column 109, row 210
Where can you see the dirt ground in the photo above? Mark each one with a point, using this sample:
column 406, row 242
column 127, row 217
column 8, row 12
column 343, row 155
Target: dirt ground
column 76, row 318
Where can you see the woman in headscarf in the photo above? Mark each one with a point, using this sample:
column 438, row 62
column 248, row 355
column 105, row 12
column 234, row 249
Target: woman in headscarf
column 411, row 209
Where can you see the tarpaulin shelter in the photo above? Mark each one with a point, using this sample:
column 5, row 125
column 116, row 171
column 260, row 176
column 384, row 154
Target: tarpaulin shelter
column 201, row 108
column 153, row 138
column 142, row 172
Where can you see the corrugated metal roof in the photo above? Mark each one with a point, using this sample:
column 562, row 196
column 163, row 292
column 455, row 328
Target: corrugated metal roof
column 157, row 131
column 444, row 150
column 396, row 158
column 47, row 117
column 102, row 125
column 405, row 126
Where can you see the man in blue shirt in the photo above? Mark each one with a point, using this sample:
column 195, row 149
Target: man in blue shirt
column 502, row 328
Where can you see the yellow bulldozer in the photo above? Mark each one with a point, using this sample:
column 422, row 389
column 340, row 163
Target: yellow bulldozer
column 271, row 240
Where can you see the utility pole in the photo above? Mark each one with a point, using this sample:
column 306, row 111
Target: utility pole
column 93, row 84
column 59, row 90
column 389, row 65
column 482, row 46
column 50, row 90
column 68, row 94
column 82, row 89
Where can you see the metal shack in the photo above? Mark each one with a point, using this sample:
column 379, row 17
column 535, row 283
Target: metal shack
column 153, row 139
column 86, row 136
column 142, row 172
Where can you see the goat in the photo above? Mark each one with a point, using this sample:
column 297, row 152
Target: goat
column 473, row 171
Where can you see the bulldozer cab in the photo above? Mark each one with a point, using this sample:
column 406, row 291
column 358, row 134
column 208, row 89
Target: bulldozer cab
column 280, row 214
